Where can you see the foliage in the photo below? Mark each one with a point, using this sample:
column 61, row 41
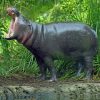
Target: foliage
column 14, row 58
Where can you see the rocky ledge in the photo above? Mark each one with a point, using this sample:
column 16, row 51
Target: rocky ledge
column 74, row 91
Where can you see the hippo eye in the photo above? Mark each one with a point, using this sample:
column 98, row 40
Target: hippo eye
column 29, row 25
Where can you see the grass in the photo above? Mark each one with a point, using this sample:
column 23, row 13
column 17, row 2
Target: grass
column 14, row 58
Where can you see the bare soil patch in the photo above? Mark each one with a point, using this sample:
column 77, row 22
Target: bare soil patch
column 27, row 80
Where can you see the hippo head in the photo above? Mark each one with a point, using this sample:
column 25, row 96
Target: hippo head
column 13, row 13
column 19, row 25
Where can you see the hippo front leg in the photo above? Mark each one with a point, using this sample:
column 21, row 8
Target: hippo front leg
column 42, row 68
column 49, row 62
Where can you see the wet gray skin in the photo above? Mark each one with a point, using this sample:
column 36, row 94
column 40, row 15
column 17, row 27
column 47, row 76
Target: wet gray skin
column 54, row 40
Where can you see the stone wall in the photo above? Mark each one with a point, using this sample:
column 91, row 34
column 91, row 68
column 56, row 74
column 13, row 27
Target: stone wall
column 76, row 91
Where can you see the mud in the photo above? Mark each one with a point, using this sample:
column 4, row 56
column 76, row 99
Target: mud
column 27, row 80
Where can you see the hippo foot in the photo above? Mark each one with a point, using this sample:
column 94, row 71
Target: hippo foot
column 88, row 78
column 53, row 80
column 81, row 75
column 42, row 77
column 78, row 74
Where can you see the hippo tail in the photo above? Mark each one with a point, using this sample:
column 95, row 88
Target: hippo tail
column 94, row 32
column 95, row 42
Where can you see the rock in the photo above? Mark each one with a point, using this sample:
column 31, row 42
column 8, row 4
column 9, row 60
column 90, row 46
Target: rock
column 74, row 91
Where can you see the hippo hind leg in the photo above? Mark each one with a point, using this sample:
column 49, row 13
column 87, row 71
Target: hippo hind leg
column 80, row 66
column 85, row 63
column 89, row 67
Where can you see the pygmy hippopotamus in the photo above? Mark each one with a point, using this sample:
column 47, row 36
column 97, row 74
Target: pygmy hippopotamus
column 48, row 42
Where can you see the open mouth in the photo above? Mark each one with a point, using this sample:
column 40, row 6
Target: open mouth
column 11, row 13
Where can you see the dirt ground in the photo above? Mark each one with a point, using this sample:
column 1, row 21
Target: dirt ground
column 26, row 80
